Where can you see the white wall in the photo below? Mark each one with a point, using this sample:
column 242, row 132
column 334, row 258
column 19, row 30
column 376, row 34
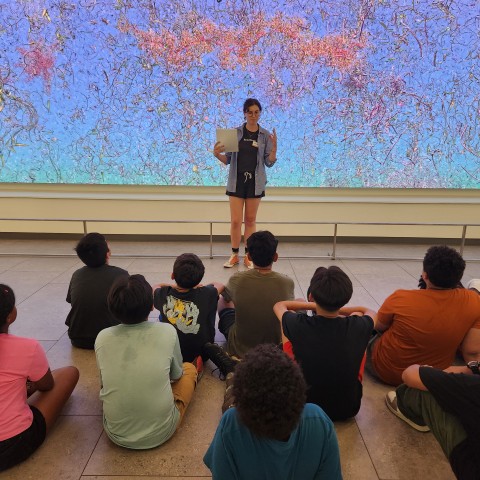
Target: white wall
column 290, row 205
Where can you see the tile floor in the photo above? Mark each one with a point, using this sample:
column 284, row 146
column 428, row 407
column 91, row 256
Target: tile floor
column 374, row 445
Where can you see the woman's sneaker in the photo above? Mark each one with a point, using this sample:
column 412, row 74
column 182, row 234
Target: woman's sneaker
column 248, row 263
column 232, row 261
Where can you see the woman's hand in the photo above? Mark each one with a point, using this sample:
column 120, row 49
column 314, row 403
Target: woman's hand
column 218, row 149
column 272, row 158
column 273, row 137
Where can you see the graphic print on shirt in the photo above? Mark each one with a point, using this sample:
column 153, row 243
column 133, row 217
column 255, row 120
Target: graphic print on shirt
column 182, row 314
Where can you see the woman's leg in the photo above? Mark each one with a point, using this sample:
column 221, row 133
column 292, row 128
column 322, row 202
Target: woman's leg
column 251, row 209
column 236, row 214
column 51, row 402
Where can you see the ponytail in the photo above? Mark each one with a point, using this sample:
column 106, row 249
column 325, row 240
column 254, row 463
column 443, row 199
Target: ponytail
column 7, row 303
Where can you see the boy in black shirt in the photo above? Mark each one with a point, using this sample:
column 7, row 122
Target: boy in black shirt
column 447, row 402
column 88, row 291
column 330, row 345
column 191, row 308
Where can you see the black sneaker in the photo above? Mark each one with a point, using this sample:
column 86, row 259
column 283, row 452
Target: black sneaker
column 220, row 358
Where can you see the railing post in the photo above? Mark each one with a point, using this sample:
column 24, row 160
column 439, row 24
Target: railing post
column 85, row 227
column 462, row 244
column 334, row 241
column 211, row 239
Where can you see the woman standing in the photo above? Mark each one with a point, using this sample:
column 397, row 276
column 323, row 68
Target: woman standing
column 247, row 178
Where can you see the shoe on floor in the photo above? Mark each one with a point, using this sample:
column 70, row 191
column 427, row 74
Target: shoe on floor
column 228, row 399
column 248, row 263
column 391, row 401
column 198, row 362
column 232, row 261
column 220, row 358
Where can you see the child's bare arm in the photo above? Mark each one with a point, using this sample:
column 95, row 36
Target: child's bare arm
column 363, row 310
column 281, row 307
column 44, row 384
column 219, row 286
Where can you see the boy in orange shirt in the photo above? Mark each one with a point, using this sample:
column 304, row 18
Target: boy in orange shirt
column 428, row 326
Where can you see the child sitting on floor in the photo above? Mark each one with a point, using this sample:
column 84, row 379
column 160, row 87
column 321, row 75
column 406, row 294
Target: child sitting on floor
column 145, row 388
column 270, row 433
column 24, row 372
column 88, row 290
column 330, row 345
column 191, row 308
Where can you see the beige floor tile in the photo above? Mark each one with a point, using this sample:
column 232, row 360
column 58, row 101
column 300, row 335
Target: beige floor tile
column 182, row 455
column 64, row 453
column 354, row 457
column 361, row 297
column 47, row 344
column 42, row 315
column 378, row 268
column 380, row 287
column 304, row 269
column 397, row 450
column 9, row 262
column 65, row 276
column 414, row 268
column 85, row 399
column 39, row 264
column 25, row 284
column 134, row 477
column 161, row 266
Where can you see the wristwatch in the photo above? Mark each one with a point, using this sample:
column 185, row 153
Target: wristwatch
column 474, row 366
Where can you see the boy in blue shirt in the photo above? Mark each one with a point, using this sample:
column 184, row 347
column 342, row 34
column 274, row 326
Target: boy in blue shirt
column 270, row 432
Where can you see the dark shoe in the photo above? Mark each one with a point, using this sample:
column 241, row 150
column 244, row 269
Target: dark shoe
column 198, row 362
column 220, row 358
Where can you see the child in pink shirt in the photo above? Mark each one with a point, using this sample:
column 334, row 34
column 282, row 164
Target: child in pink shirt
column 24, row 373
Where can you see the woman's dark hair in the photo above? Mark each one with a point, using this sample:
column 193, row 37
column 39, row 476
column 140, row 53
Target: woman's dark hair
column 444, row 266
column 130, row 299
column 250, row 102
column 7, row 303
column 269, row 391
column 331, row 288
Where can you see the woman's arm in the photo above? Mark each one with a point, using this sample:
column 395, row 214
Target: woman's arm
column 218, row 150
column 271, row 149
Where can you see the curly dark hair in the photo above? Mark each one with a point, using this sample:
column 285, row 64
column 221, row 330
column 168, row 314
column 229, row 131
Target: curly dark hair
column 188, row 270
column 444, row 266
column 130, row 299
column 331, row 288
column 7, row 303
column 269, row 391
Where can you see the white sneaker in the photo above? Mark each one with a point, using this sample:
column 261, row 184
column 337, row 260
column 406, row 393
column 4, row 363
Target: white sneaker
column 232, row 261
column 248, row 263
column 391, row 401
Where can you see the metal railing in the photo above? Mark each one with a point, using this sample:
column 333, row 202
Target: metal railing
column 85, row 223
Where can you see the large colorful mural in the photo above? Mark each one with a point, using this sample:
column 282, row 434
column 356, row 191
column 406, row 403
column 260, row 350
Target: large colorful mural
column 362, row 93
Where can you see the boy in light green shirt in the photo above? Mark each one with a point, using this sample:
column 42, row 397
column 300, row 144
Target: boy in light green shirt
column 145, row 386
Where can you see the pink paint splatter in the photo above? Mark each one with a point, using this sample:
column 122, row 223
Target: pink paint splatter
column 38, row 61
